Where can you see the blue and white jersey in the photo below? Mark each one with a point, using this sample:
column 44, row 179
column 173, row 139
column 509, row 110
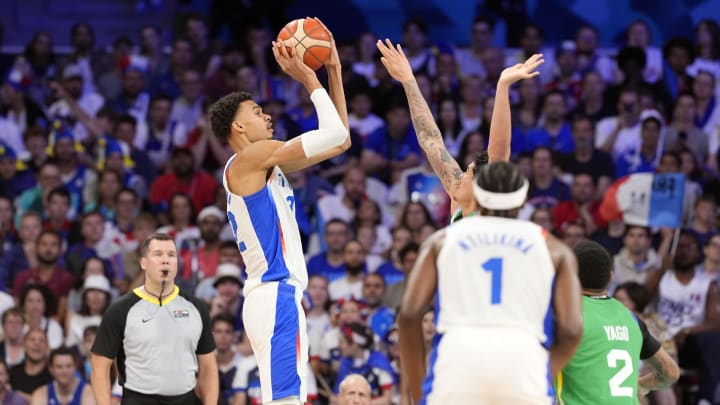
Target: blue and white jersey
column 494, row 273
column 266, row 232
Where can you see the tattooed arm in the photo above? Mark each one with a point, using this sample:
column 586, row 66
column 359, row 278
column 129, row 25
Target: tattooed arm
column 430, row 138
column 428, row 133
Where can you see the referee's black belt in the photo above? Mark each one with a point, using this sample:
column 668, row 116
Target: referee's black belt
column 131, row 397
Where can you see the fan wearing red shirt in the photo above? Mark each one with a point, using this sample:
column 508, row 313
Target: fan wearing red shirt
column 48, row 271
column 581, row 207
column 183, row 178
column 210, row 221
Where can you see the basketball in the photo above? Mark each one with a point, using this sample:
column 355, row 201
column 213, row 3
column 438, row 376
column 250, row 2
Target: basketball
column 310, row 39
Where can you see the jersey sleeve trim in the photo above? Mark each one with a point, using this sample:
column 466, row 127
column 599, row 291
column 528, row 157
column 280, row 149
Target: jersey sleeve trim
column 111, row 332
column 650, row 345
column 206, row 343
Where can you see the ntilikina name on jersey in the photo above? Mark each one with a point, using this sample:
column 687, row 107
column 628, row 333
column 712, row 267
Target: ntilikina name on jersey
column 483, row 239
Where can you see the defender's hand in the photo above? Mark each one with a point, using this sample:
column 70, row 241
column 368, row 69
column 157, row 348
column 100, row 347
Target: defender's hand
column 522, row 70
column 395, row 61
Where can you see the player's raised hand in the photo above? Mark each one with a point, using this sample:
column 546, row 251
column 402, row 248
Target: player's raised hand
column 395, row 61
column 521, row 71
column 292, row 66
column 334, row 56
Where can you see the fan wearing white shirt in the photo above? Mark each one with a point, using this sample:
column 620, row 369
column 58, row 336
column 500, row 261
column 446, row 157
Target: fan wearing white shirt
column 350, row 285
column 361, row 118
column 187, row 109
column 620, row 134
column 159, row 135
column 89, row 102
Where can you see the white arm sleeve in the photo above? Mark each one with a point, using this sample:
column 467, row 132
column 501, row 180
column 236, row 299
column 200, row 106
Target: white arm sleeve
column 331, row 132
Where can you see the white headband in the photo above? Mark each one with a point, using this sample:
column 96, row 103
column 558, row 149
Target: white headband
column 501, row 201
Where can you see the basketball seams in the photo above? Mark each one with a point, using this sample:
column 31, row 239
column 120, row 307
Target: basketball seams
column 306, row 35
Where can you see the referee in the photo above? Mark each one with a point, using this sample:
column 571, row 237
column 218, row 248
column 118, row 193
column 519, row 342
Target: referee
column 160, row 336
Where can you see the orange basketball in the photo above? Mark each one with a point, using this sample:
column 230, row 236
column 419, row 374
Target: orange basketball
column 309, row 38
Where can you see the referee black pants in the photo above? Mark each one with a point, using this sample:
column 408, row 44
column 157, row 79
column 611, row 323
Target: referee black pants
column 136, row 398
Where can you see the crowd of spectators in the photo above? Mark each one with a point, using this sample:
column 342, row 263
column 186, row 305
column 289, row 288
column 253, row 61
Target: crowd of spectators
column 98, row 150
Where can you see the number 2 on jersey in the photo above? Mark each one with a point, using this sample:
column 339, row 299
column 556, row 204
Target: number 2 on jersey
column 494, row 266
column 616, row 382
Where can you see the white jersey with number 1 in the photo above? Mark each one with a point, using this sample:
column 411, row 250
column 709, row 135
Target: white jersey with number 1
column 493, row 312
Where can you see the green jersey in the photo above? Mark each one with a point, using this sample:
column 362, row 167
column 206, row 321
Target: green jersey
column 604, row 369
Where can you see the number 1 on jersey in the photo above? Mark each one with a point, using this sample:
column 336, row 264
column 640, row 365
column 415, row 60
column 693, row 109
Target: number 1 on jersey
column 494, row 266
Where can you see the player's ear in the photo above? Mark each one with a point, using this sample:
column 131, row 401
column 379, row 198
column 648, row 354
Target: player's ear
column 143, row 261
column 238, row 127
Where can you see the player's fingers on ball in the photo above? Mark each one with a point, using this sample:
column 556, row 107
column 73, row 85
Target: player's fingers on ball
column 275, row 51
column 284, row 51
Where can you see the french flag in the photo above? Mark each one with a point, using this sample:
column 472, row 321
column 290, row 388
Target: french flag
column 646, row 199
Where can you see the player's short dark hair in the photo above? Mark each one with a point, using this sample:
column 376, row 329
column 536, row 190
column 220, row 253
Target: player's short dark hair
column 407, row 249
column 224, row 317
column 145, row 247
column 500, row 177
column 594, row 265
column 481, row 159
column 62, row 351
column 223, row 112
column 637, row 294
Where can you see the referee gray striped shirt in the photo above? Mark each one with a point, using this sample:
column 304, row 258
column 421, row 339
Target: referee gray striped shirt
column 156, row 347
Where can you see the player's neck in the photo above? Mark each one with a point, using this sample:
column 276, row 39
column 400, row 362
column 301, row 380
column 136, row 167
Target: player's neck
column 599, row 294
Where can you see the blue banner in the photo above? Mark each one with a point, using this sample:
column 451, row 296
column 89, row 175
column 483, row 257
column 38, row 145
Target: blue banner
column 666, row 200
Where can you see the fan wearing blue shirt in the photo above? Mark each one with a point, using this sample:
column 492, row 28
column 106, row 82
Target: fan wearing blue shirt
column 381, row 317
column 555, row 132
column 393, row 148
column 331, row 263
